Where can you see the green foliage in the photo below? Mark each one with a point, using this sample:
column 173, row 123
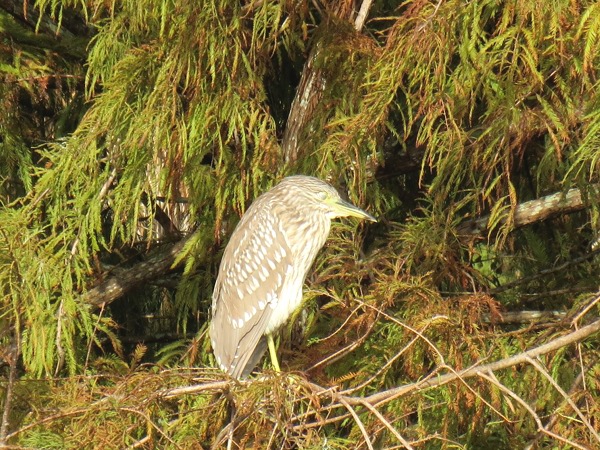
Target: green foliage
column 39, row 79
column 119, row 114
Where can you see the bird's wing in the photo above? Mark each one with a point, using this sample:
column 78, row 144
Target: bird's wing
column 248, row 287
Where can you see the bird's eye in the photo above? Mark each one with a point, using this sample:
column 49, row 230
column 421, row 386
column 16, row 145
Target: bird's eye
column 322, row 195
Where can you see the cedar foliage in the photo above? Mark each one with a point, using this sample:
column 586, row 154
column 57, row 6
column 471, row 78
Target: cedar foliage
column 130, row 124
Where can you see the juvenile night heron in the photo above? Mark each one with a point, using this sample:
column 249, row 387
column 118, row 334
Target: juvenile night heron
column 264, row 267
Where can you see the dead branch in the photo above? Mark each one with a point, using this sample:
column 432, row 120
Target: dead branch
column 215, row 386
column 546, row 272
column 311, row 89
column 383, row 397
column 524, row 316
column 554, row 417
column 492, row 379
column 309, row 93
column 363, row 12
column 117, row 285
column 530, row 212
column 535, row 363
column 388, row 425
column 359, row 423
column 338, row 399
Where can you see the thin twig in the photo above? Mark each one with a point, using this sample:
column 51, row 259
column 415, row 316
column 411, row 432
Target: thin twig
column 39, row 198
column 476, row 394
column 388, row 425
column 343, row 351
column 554, row 417
column 411, row 329
column 358, row 423
column 492, row 379
column 571, row 403
column 575, row 336
column 60, row 351
column 91, row 341
column 152, row 424
column 430, row 18
column 545, row 272
column 435, row 380
column 390, row 361
column 575, row 323
column 101, row 195
column 49, row 419
column 585, row 310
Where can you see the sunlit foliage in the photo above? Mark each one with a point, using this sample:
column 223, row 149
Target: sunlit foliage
column 129, row 126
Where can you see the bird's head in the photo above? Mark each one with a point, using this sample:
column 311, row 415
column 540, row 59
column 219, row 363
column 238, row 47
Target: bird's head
column 316, row 194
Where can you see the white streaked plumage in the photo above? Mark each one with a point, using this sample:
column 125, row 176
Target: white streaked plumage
column 265, row 264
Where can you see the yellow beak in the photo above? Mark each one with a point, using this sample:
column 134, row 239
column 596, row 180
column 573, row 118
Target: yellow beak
column 345, row 209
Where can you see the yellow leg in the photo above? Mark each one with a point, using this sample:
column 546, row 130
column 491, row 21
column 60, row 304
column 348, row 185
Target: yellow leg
column 273, row 353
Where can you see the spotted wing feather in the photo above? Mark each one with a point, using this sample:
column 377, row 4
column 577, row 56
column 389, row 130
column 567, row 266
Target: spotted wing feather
column 248, row 288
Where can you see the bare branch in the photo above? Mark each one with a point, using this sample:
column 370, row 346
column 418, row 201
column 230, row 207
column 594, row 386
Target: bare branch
column 120, row 283
column 554, row 417
column 524, row 316
column 196, row 388
column 546, row 272
column 492, row 379
column 388, row 425
column 532, row 211
column 358, row 423
column 575, row 336
column 362, row 14
column 585, row 310
column 340, row 399
column 309, row 93
column 572, row 404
